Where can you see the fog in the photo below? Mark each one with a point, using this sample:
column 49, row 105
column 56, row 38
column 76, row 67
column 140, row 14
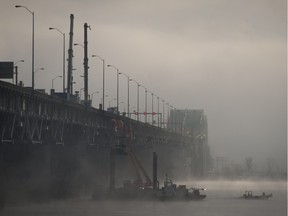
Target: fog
column 222, row 199
column 226, row 57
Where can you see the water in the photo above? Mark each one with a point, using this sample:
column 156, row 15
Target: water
column 222, row 199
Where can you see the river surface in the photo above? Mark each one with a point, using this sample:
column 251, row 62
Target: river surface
column 222, row 199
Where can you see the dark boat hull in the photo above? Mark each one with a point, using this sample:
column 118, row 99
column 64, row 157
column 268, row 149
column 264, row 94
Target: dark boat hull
column 260, row 197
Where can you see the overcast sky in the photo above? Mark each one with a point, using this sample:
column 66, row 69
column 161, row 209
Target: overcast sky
column 227, row 57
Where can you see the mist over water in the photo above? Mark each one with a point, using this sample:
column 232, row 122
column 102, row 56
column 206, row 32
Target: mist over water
column 222, row 199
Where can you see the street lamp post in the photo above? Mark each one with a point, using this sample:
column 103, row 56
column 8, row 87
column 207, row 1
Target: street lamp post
column 63, row 55
column 146, row 105
column 172, row 117
column 138, row 85
column 145, row 111
column 128, row 80
column 158, row 110
column 103, row 84
column 16, row 71
column 168, row 114
column 81, row 93
column 152, row 107
column 32, row 13
column 111, row 101
column 163, row 115
column 38, row 69
column 105, row 96
column 122, row 102
column 96, row 92
column 131, row 107
column 53, row 81
column 117, row 70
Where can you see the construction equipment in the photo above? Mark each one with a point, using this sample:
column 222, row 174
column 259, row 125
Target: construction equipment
column 123, row 145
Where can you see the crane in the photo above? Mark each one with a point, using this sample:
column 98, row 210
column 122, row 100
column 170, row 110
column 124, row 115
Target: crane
column 123, row 145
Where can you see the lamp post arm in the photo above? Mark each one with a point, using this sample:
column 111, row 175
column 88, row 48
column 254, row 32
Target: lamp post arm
column 31, row 12
column 117, row 93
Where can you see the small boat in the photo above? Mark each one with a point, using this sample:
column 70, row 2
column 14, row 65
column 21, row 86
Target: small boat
column 249, row 195
column 194, row 194
column 170, row 191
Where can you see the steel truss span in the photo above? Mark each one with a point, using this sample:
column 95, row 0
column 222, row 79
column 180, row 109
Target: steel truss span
column 58, row 148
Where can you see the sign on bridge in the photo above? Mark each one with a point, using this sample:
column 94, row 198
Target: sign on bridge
column 6, row 70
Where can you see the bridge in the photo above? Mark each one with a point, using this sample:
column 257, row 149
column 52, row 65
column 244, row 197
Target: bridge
column 57, row 147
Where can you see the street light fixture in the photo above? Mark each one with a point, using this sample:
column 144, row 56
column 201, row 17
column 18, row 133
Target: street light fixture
column 63, row 55
column 96, row 92
column 133, row 107
column 32, row 13
column 38, row 69
column 103, row 84
column 117, row 70
column 77, row 44
column 16, row 70
column 53, row 81
column 18, row 61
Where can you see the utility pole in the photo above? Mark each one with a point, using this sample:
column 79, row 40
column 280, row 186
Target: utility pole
column 86, row 64
column 70, row 58
column 152, row 108
column 146, row 104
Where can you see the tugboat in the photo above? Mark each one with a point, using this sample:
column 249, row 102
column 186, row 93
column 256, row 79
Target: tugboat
column 194, row 194
column 249, row 195
column 170, row 191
